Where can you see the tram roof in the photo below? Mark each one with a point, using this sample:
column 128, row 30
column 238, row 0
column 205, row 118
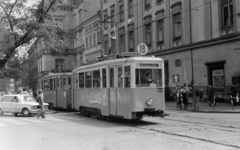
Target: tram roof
column 58, row 74
column 121, row 60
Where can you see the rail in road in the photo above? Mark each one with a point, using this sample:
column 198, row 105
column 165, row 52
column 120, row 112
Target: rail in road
column 214, row 133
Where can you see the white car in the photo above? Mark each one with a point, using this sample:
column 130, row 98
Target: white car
column 20, row 104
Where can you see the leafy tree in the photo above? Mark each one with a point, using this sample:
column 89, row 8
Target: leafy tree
column 21, row 26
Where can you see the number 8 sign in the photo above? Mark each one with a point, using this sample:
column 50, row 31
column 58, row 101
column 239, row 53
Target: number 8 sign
column 142, row 49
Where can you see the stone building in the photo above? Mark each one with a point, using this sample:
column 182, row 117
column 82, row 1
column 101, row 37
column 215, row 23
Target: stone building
column 198, row 39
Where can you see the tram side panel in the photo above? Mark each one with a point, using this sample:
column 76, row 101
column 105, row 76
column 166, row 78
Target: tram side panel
column 124, row 102
column 50, row 97
column 92, row 98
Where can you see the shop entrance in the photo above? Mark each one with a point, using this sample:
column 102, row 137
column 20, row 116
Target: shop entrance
column 216, row 78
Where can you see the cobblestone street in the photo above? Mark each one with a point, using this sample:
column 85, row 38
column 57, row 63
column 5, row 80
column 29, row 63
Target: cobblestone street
column 71, row 131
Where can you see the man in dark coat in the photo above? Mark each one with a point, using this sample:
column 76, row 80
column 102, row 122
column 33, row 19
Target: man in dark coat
column 41, row 102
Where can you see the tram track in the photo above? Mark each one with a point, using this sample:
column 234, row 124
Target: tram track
column 187, row 136
column 186, row 127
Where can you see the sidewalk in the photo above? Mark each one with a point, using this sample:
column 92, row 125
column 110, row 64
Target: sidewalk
column 204, row 107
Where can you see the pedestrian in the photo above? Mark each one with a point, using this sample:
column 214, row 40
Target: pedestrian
column 40, row 101
column 178, row 91
column 185, row 92
column 211, row 95
column 196, row 98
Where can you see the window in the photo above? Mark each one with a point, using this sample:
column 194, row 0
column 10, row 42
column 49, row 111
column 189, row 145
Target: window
column 105, row 1
column 90, row 41
column 86, row 42
column 59, row 65
column 6, row 99
column 149, row 78
column 96, row 79
column 158, row 2
column 130, row 8
column 112, row 14
column 105, row 15
column 178, row 63
column 80, row 16
column 59, row 22
column 121, row 11
column 131, row 41
column 227, row 13
column 80, row 59
column 50, row 84
column 113, row 46
column 122, row 43
column 88, row 77
column 94, row 40
column 148, row 34
column 147, row 4
column 127, row 76
column 104, row 78
column 81, row 80
column 177, row 26
column 120, row 77
column 160, row 32
column 106, row 43
column 111, row 77
column 14, row 99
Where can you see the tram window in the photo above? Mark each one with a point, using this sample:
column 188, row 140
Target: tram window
column 58, row 84
column 54, row 83
column 64, row 84
column 46, row 84
column 120, row 79
column 148, row 78
column 96, row 78
column 69, row 83
column 104, row 78
column 127, row 76
column 76, row 81
column 51, row 84
column 88, row 76
column 81, row 80
column 111, row 77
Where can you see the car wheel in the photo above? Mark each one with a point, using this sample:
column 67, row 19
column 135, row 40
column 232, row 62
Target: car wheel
column 26, row 112
column 1, row 112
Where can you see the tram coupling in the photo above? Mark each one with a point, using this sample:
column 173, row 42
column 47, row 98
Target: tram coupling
column 161, row 113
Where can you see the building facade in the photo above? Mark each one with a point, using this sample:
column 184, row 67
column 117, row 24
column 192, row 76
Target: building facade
column 198, row 39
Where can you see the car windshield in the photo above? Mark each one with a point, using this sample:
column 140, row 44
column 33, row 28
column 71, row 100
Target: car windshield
column 28, row 99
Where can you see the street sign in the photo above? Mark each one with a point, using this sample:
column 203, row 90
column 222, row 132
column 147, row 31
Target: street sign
column 176, row 78
column 142, row 49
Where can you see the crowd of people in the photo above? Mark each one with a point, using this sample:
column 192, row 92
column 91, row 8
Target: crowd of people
column 185, row 93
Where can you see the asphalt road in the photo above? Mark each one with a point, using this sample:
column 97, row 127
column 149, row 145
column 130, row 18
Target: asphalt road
column 70, row 131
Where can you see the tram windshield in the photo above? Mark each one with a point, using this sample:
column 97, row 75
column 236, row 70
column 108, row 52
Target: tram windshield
column 148, row 77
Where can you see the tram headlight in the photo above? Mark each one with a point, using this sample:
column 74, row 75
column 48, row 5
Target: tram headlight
column 149, row 102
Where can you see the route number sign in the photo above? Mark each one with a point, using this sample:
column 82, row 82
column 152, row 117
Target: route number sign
column 142, row 49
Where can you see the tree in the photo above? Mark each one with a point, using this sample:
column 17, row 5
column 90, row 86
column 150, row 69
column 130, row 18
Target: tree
column 21, row 26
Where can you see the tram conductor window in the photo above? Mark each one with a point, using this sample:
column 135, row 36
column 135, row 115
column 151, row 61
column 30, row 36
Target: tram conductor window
column 147, row 78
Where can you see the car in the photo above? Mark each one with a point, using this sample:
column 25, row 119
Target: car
column 20, row 104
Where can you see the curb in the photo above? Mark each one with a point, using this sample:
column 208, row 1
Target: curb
column 207, row 111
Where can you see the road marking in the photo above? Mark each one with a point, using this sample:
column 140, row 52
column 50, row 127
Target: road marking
column 13, row 121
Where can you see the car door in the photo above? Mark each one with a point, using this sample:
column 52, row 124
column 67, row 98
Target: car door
column 14, row 104
column 5, row 103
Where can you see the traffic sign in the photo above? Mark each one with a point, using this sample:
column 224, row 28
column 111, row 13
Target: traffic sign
column 176, row 78
column 142, row 48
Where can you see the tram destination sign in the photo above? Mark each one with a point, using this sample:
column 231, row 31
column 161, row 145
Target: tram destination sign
column 148, row 65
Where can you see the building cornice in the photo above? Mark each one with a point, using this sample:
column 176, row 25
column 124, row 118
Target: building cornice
column 198, row 45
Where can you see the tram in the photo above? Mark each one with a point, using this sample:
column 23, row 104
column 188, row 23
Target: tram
column 127, row 88
column 57, row 90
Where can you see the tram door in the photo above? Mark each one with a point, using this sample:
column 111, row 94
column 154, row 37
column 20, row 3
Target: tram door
column 113, row 84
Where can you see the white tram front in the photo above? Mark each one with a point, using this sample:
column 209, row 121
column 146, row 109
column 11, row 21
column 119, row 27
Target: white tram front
column 128, row 88
column 57, row 90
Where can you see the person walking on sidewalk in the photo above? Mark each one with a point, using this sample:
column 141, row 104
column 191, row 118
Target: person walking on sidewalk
column 40, row 101
column 196, row 98
column 210, row 95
